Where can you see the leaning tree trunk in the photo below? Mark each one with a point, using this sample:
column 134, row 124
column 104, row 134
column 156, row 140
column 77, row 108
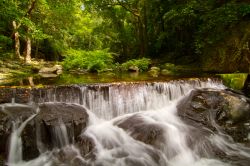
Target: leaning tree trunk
column 27, row 55
column 17, row 41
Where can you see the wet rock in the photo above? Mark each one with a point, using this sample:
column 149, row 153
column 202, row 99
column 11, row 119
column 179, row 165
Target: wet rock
column 86, row 146
column 8, row 115
column 42, row 127
column 68, row 155
column 139, row 129
column 214, row 109
column 18, row 95
column 6, row 94
column 22, row 95
column 74, row 117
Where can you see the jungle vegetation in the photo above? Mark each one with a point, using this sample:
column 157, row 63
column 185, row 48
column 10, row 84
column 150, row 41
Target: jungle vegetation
column 96, row 34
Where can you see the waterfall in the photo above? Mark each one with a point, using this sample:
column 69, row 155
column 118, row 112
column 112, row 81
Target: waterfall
column 123, row 98
column 114, row 146
column 133, row 124
column 15, row 154
column 60, row 136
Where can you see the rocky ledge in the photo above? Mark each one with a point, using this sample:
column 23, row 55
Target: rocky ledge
column 39, row 133
column 221, row 110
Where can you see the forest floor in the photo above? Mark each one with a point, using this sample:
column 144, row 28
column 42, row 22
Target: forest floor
column 10, row 68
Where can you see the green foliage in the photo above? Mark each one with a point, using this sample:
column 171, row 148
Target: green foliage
column 235, row 81
column 142, row 64
column 172, row 31
column 5, row 42
column 93, row 61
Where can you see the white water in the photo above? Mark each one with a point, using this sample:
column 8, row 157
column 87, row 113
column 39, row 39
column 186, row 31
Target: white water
column 114, row 146
column 15, row 157
column 112, row 100
column 60, row 136
column 153, row 105
column 15, row 154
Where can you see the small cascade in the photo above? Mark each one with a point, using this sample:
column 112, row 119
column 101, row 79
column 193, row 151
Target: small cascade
column 60, row 136
column 162, row 139
column 15, row 154
column 123, row 98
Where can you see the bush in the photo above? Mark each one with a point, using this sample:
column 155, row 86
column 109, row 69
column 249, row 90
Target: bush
column 142, row 64
column 5, row 44
column 93, row 61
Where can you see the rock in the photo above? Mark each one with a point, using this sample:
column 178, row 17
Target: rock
column 9, row 114
column 18, row 95
column 246, row 88
column 68, row 155
column 139, row 129
column 133, row 69
column 58, row 72
column 155, row 68
column 6, row 94
column 48, row 75
column 86, row 146
column 235, row 80
column 154, row 71
column 51, row 70
column 43, row 127
column 166, row 72
column 207, row 107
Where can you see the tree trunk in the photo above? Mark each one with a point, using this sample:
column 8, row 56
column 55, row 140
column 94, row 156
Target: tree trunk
column 31, row 81
column 17, row 41
column 28, row 38
column 28, row 48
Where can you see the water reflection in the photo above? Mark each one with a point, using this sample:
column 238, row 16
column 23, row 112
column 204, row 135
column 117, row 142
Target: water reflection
column 69, row 78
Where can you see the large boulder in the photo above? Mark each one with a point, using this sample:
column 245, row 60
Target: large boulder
column 213, row 109
column 45, row 130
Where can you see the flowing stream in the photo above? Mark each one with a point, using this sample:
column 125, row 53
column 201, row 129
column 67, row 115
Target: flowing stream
column 122, row 112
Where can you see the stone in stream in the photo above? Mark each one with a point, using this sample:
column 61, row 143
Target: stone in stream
column 51, row 116
column 139, row 129
column 218, row 109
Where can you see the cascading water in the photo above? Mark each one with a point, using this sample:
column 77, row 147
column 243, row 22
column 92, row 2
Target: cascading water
column 137, row 125
column 111, row 100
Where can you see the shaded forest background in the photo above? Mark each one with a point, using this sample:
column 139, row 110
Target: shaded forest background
column 211, row 34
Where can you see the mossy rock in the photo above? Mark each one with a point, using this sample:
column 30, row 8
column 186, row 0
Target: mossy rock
column 169, row 66
column 154, row 71
column 166, row 72
column 235, row 80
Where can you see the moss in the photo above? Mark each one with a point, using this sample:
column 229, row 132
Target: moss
column 234, row 81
